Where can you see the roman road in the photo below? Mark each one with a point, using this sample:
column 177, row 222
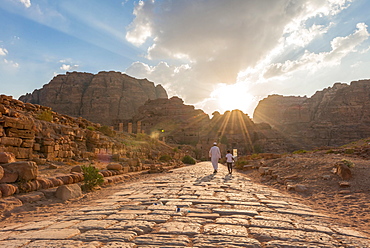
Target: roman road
column 187, row 207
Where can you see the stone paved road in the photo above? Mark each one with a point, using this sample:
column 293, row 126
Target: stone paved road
column 215, row 210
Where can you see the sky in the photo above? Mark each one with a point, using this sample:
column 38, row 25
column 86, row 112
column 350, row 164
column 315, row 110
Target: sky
column 217, row 55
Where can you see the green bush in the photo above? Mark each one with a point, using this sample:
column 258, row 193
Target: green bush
column 165, row 158
column 188, row 160
column 299, row 152
column 92, row 178
column 107, row 131
column 45, row 115
column 90, row 128
column 350, row 164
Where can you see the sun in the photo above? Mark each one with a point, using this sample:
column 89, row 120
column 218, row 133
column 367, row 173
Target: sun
column 230, row 97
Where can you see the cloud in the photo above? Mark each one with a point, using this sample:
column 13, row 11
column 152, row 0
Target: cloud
column 66, row 67
column 341, row 47
column 194, row 46
column 26, row 3
column 3, row 52
column 12, row 63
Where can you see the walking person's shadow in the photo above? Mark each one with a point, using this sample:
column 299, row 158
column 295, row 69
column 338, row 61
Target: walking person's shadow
column 207, row 178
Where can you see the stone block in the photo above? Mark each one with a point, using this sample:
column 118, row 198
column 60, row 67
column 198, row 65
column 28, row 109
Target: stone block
column 114, row 166
column 20, row 152
column 27, row 143
column 67, row 192
column 10, row 141
column 6, row 157
column 20, row 133
column 36, row 147
column 8, row 177
column 26, row 170
column 7, row 189
column 47, row 149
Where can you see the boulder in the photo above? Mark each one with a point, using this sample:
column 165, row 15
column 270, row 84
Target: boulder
column 1, row 172
column 6, row 157
column 26, row 170
column 7, row 189
column 343, row 171
column 76, row 169
column 114, row 166
column 8, row 176
column 67, row 192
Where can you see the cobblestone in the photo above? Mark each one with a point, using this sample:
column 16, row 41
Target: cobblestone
column 190, row 207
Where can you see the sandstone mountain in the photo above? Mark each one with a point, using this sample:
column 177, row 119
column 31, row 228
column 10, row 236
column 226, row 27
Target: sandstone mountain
column 100, row 98
column 332, row 117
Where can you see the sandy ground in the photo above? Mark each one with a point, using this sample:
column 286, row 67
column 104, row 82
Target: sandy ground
column 348, row 205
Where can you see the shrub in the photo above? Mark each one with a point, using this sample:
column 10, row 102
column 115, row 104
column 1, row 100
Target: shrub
column 188, row 160
column 107, row 131
column 165, row 158
column 350, row 164
column 92, row 178
column 299, row 152
column 239, row 164
column 91, row 128
column 45, row 115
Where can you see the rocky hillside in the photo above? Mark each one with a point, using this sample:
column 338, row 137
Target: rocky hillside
column 331, row 117
column 102, row 98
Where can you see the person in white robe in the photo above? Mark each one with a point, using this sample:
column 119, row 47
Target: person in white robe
column 215, row 155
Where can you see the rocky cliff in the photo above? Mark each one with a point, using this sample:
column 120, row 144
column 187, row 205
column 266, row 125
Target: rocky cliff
column 331, row 117
column 100, row 98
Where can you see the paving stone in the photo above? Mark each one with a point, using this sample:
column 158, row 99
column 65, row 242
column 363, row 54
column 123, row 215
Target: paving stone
column 223, row 211
column 265, row 235
column 179, row 228
column 271, row 224
column 86, row 217
column 119, row 245
column 203, row 215
column 120, row 217
column 211, row 241
column 47, row 234
column 138, row 226
column 201, row 221
column 157, row 218
column 62, row 243
column 63, row 224
column 293, row 244
column 216, row 229
column 94, row 224
column 13, row 243
column 35, row 225
column 106, row 236
column 233, row 221
column 133, row 211
column 162, row 240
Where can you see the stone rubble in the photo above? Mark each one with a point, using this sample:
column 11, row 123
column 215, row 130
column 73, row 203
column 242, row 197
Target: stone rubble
column 190, row 207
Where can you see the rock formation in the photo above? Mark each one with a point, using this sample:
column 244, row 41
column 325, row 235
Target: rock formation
column 176, row 123
column 331, row 117
column 100, row 98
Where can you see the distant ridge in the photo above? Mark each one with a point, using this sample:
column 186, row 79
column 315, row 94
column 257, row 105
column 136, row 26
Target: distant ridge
column 102, row 98
column 332, row 117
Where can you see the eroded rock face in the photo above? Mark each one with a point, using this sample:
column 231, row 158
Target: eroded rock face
column 331, row 117
column 100, row 98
